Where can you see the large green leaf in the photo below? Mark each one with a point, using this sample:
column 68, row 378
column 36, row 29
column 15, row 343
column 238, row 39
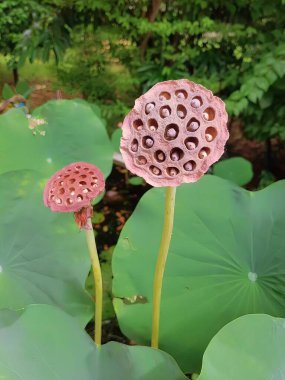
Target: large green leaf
column 73, row 132
column 44, row 343
column 19, row 149
column 251, row 347
column 43, row 257
column 226, row 259
column 7, row 91
column 235, row 169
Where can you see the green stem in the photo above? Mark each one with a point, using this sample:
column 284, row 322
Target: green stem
column 161, row 261
column 97, row 281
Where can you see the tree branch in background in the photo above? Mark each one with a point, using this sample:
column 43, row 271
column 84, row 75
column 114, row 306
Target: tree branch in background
column 151, row 15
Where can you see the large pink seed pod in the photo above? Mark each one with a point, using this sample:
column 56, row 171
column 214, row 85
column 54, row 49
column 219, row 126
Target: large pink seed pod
column 73, row 188
column 174, row 133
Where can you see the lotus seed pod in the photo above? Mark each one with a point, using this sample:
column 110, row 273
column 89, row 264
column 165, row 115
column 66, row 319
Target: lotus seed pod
column 190, row 145
column 183, row 132
column 203, row 153
column 196, row 103
column 73, row 188
column 209, row 137
column 193, row 126
column 171, row 132
column 149, row 107
column 149, row 142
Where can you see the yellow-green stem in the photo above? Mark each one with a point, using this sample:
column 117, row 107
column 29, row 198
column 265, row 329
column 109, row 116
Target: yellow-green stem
column 97, row 281
column 161, row 261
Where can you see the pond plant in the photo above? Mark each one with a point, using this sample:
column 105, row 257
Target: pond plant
column 174, row 133
column 203, row 304
column 72, row 189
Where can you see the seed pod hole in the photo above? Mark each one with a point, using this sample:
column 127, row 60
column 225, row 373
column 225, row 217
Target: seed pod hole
column 209, row 114
column 181, row 94
column 152, row 124
column 69, row 201
column 176, row 154
column 147, row 142
column 138, row 124
column 204, row 152
column 191, row 143
column 189, row 166
column 149, row 107
column 172, row 172
column 82, row 183
column 77, row 167
column 155, row 170
column 86, row 169
column 83, row 176
column 171, row 132
column 61, row 190
column 85, row 191
column 165, row 111
column 196, row 102
column 192, row 125
column 159, row 156
column 141, row 160
column 93, row 184
column 79, row 198
column 58, row 201
column 72, row 191
column 164, row 95
column 181, row 111
column 72, row 180
column 134, row 145
column 211, row 134
column 67, row 175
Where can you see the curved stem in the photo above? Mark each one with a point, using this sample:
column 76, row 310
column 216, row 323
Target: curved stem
column 97, row 281
column 161, row 261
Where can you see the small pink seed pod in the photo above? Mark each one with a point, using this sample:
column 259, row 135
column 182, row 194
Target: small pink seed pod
column 73, row 188
column 174, row 133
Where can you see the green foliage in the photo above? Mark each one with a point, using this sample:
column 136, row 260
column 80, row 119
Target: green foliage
column 237, row 50
column 116, row 139
column 225, row 260
column 73, row 132
column 235, row 169
column 251, row 347
column 266, row 179
column 22, row 88
column 136, row 181
column 105, row 260
column 42, row 342
column 32, row 30
column 42, row 255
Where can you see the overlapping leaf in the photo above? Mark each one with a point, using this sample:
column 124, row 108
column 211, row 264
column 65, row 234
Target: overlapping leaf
column 44, row 343
column 43, row 256
column 74, row 132
column 251, row 347
column 226, row 259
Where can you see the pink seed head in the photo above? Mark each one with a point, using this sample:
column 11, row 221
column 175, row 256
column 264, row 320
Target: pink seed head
column 190, row 145
column 195, row 103
column 180, row 119
column 149, row 143
column 209, row 137
column 73, row 188
column 171, row 132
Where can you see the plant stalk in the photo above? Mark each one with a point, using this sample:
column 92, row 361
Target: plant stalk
column 97, row 281
column 161, row 261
